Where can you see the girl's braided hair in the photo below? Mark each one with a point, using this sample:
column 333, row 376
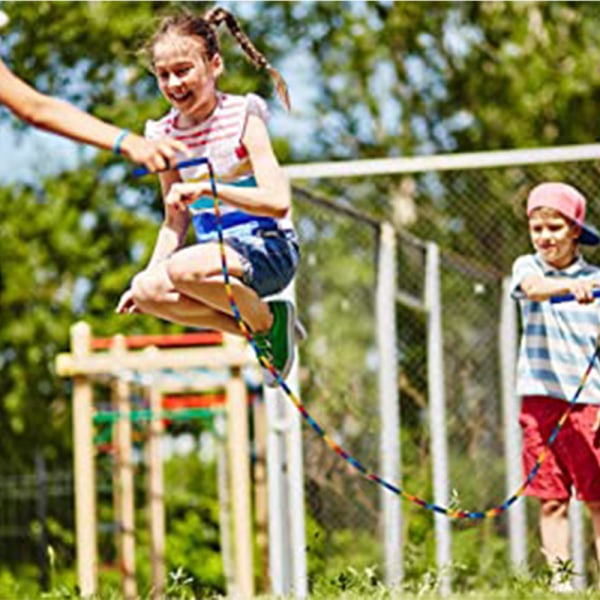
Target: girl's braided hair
column 206, row 28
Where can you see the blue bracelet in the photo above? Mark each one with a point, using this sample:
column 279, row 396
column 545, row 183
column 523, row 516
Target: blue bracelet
column 117, row 145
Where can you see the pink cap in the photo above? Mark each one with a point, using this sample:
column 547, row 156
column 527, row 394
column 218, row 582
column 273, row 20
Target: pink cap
column 568, row 201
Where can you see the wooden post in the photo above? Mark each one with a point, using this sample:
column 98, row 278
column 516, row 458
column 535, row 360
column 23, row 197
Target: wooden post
column 260, row 489
column 85, row 476
column 223, row 480
column 237, row 404
column 123, row 483
column 156, row 503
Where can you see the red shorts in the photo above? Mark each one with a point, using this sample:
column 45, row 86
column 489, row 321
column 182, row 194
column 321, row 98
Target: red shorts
column 574, row 457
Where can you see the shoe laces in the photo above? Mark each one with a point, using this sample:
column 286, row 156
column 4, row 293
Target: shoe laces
column 263, row 345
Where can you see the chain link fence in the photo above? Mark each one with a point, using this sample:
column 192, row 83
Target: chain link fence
column 477, row 218
column 36, row 520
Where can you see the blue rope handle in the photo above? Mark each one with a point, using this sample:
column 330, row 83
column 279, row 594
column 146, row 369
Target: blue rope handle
column 192, row 162
column 570, row 297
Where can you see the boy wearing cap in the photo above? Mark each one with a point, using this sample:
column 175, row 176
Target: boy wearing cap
column 557, row 343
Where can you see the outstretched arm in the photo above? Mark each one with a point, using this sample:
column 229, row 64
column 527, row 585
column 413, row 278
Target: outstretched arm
column 540, row 288
column 58, row 116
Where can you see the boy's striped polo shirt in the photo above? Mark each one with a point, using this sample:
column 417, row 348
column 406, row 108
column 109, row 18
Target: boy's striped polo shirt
column 557, row 340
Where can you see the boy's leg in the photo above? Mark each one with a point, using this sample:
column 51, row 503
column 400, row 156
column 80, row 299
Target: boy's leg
column 594, row 508
column 554, row 530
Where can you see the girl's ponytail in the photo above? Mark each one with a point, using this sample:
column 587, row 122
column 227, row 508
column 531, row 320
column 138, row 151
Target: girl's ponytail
column 218, row 15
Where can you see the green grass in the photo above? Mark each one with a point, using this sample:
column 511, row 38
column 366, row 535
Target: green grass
column 349, row 584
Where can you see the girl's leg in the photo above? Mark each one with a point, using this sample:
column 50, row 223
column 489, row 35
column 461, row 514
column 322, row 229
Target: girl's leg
column 155, row 295
column 188, row 288
column 196, row 273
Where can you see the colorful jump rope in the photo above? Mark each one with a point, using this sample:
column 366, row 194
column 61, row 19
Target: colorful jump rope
column 358, row 466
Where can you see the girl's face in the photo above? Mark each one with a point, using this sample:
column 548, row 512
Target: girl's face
column 186, row 77
column 554, row 237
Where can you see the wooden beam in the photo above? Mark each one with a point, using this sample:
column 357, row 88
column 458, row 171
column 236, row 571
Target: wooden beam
column 199, row 338
column 68, row 365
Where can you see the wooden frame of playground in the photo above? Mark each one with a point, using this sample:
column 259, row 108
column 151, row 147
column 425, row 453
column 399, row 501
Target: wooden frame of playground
column 91, row 359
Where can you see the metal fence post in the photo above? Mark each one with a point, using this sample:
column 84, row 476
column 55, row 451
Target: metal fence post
column 42, row 515
column 296, row 493
column 279, row 542
column 287, row 529
column 517, row 517
column 389, row 406
column 577, row 543
column 437, row 413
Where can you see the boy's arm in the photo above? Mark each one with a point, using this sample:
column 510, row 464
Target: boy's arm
column 538, row 288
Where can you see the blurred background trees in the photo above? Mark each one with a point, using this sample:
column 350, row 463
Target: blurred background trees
column 367, row 79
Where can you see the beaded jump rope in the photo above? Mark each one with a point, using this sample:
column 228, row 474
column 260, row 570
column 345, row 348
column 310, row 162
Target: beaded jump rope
column 451, row 513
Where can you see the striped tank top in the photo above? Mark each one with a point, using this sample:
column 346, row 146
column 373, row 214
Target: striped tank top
column 219, row 138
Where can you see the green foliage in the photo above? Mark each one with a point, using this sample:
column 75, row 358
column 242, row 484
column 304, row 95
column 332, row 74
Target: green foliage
column 390, row 79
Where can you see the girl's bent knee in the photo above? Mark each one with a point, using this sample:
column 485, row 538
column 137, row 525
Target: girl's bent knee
column 179, row 272
column 145, row 289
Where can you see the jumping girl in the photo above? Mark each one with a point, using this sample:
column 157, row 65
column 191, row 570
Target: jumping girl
column 185, row 284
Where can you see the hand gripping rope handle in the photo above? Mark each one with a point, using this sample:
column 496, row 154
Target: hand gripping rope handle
column 449, row 512
column 570, row 297
column 192, row 162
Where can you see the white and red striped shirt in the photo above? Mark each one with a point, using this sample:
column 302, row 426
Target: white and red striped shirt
column 219, row 138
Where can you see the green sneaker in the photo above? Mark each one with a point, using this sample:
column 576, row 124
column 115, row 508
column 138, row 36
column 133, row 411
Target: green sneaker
column 278, row 344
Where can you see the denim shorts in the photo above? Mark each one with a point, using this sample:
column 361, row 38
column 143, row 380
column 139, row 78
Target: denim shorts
column 269, row 258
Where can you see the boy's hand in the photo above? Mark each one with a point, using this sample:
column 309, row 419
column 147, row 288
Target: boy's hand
column 583, row 291
column 596, row 425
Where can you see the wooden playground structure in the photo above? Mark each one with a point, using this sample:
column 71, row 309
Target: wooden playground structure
column 115, row 360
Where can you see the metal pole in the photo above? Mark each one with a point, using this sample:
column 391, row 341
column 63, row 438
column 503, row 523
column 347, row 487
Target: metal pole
column 577, row 543
column 517, row 516
column 42, row 517
column 279, row 539
column 389, row 404
column 285, row 470
column 296, row 493
column 437, row 413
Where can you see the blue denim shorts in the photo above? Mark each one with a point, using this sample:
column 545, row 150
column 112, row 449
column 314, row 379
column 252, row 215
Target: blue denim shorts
column 269, row 258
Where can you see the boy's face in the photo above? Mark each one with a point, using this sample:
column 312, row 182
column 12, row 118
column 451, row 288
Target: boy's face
column 554, row 237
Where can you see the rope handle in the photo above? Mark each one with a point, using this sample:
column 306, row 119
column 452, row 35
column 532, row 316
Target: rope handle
column 570, row 297
column 192, row 162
